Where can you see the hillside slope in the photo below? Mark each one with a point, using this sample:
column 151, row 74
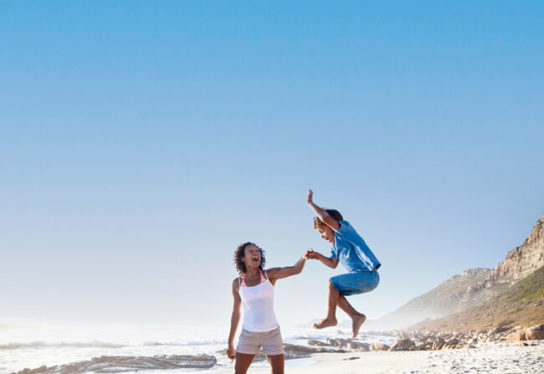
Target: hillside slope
column 471, row 288
column 454, row 295
column 521, row 304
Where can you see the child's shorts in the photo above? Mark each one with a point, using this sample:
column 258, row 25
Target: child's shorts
column 356, row 282
column 250, row 342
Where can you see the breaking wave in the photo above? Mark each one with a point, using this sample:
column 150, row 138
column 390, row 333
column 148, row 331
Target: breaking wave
column 60, row 345
column 99, row 344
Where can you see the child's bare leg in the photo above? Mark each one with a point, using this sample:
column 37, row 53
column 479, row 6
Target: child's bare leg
column 330, row 320
column 357, row 318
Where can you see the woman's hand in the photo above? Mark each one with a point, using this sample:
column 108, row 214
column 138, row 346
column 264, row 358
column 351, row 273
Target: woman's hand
column 231, row 353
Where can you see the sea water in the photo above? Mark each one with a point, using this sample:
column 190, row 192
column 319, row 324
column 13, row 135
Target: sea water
column 127, row 348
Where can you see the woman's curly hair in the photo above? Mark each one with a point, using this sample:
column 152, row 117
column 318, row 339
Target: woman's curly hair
column 240, row 252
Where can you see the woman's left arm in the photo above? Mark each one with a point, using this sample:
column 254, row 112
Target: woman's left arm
column 278, row 273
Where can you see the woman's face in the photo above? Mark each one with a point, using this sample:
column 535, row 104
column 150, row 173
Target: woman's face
column 252, row 256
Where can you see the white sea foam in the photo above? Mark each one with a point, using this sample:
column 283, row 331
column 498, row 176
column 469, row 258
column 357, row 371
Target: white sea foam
column 34, row 344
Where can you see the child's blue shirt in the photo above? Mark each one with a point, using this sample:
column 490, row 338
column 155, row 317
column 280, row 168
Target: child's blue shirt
column 352, row 250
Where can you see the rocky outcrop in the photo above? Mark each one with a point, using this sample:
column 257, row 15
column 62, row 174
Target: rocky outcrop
column 519, row 305
column 523, row 260
column 403, row 345
column 380, row 347
column 471, row 288
column 531, row 333
column 350, row 344
column 516, row 336
column 427, row 340
column 117, row 364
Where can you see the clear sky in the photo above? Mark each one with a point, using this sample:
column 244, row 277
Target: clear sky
column 141, row 142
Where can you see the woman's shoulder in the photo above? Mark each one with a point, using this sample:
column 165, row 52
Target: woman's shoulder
column 271, row 271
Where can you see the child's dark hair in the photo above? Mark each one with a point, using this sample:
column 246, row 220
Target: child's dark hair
column 240, row 252
column 331, row 212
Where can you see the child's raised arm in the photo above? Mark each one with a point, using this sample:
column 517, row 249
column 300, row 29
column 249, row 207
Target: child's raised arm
column 322, row 213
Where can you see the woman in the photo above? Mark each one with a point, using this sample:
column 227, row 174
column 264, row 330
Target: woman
column 254, row 289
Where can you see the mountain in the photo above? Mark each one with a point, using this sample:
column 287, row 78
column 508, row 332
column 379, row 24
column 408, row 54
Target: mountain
column 471, row 288
column 454, row 295
column 523, row 260
column 521, row 304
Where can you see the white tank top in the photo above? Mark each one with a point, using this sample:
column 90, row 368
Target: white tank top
column 258, row 302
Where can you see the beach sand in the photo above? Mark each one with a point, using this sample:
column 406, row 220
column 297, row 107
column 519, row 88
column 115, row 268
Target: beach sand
column 496, row 357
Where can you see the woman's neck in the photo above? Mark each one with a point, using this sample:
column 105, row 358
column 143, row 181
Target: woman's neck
column 252, row 271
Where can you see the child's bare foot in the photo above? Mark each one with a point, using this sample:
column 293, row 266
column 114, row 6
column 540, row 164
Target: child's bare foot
column 325, row 322
column 356, row 324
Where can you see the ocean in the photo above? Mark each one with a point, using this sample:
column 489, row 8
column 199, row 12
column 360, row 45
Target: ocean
column 46, row 347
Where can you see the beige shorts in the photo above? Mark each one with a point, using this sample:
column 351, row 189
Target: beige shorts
column 250, row 342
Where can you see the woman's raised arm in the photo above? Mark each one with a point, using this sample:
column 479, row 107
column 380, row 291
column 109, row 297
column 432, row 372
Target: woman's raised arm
column 278, row 273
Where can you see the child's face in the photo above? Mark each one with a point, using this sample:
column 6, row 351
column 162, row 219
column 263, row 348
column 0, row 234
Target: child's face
column 252, row 256
column 326, row 233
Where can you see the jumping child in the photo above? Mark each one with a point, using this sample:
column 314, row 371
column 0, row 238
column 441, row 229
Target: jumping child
column 351, row 251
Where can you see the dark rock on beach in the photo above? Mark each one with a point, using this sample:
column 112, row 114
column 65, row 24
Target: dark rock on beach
column 380, row 347
column 317, row 343
column 116, row 364
column 403, row 345
column 531, row 333
column 293, row 351
column 298, row 351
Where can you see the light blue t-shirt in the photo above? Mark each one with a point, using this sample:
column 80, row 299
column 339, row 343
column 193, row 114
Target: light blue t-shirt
column 352, row 250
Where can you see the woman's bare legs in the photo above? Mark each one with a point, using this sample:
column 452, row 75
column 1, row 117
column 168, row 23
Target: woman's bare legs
column 242, row 363
column 277, row 363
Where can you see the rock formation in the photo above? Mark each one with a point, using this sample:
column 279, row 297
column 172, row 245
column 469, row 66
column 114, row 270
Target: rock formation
column 523, row 260
column 471, row 288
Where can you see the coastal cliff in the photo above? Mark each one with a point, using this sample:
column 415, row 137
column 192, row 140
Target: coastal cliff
column 480, row 287
column 522, row 261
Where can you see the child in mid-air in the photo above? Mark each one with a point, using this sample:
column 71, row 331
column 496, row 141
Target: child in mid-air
column 351, row 251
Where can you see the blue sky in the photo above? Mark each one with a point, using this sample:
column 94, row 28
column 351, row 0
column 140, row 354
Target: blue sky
column 142, row 142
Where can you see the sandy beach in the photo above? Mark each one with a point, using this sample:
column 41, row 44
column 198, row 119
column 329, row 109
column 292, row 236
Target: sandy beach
column 496, row 357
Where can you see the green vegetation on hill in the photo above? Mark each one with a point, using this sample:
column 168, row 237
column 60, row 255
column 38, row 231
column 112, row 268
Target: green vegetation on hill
column 526, row 289
column 521, row 304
